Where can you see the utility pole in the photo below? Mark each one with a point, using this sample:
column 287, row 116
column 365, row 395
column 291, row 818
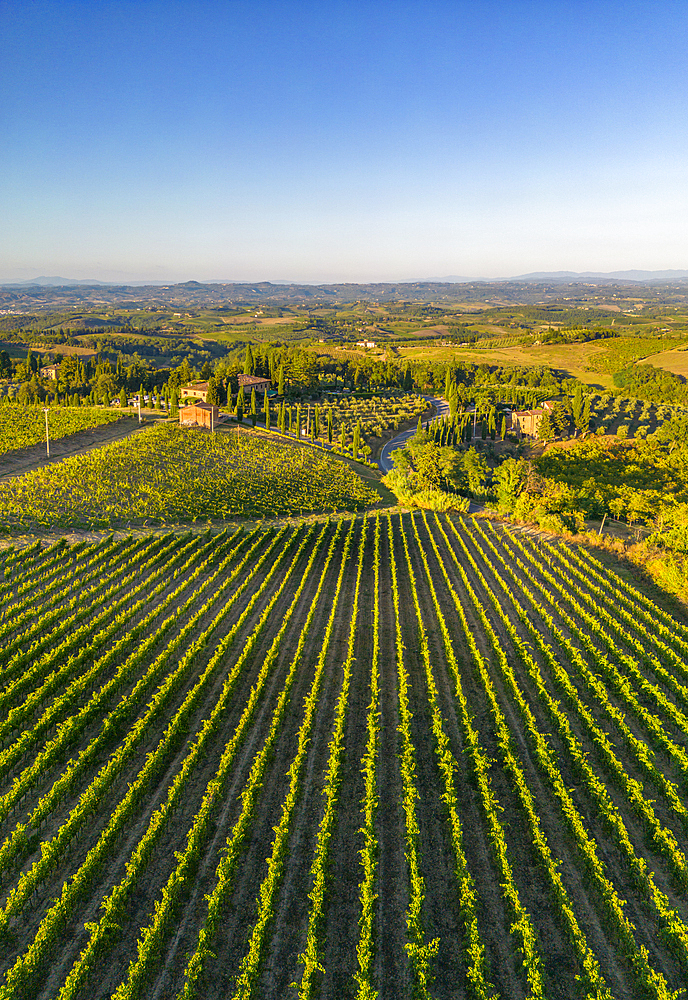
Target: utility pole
column 47, row 438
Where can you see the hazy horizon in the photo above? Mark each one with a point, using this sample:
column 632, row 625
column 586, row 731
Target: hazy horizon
column 632, row 274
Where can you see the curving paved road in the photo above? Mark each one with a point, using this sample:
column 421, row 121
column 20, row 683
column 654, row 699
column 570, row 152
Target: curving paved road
column 386, row 462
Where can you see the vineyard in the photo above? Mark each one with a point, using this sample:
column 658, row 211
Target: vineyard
column 167, row 474
column 22, row 426
column 394, row 756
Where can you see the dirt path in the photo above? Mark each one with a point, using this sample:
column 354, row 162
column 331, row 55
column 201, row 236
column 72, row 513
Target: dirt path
column 16, row 463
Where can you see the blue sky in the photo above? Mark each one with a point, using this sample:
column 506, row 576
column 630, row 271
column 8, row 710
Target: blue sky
column 341, row 141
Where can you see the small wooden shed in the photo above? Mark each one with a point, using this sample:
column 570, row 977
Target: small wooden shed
column 199, row 415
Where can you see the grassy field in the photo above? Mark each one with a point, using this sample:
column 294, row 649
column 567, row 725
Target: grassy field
column 570, row 358
column 406, row 757
column 593, row 362
column 671, row 361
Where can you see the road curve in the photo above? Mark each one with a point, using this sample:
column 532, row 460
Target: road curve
column 386, row 462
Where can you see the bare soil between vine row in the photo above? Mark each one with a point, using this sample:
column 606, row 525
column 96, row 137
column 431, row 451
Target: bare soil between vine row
column 462, row 561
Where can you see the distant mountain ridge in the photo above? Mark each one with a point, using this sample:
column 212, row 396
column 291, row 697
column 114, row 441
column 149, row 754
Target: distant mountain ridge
column 569, row 276
column 633, row 275
column 528, row 289
column 55, row 281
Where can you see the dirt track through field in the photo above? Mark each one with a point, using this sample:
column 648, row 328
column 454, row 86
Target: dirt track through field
column 16, row 463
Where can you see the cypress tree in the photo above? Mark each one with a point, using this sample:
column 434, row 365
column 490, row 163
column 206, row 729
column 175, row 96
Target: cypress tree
column 330, row 426
column 249, row 362
column 357, row 440
column 213, row 394
column 453, row 398
column 254, row 408
column 280, row 388
column 267, row 412
column 577, row 407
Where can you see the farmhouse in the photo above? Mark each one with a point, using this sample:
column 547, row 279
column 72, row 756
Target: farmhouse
column 196, row 390
column 528, row 421
column 50, row 372
column 254, row 382
column 199, row 415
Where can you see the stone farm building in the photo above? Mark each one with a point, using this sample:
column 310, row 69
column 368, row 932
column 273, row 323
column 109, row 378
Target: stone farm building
column 528, row 421
column 199, row 415
column 50, row 372
column 196, row 390
column 250, row 382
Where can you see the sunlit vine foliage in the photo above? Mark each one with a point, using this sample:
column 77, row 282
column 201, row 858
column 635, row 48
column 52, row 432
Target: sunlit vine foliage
column 169, row 474
column 22, row 426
